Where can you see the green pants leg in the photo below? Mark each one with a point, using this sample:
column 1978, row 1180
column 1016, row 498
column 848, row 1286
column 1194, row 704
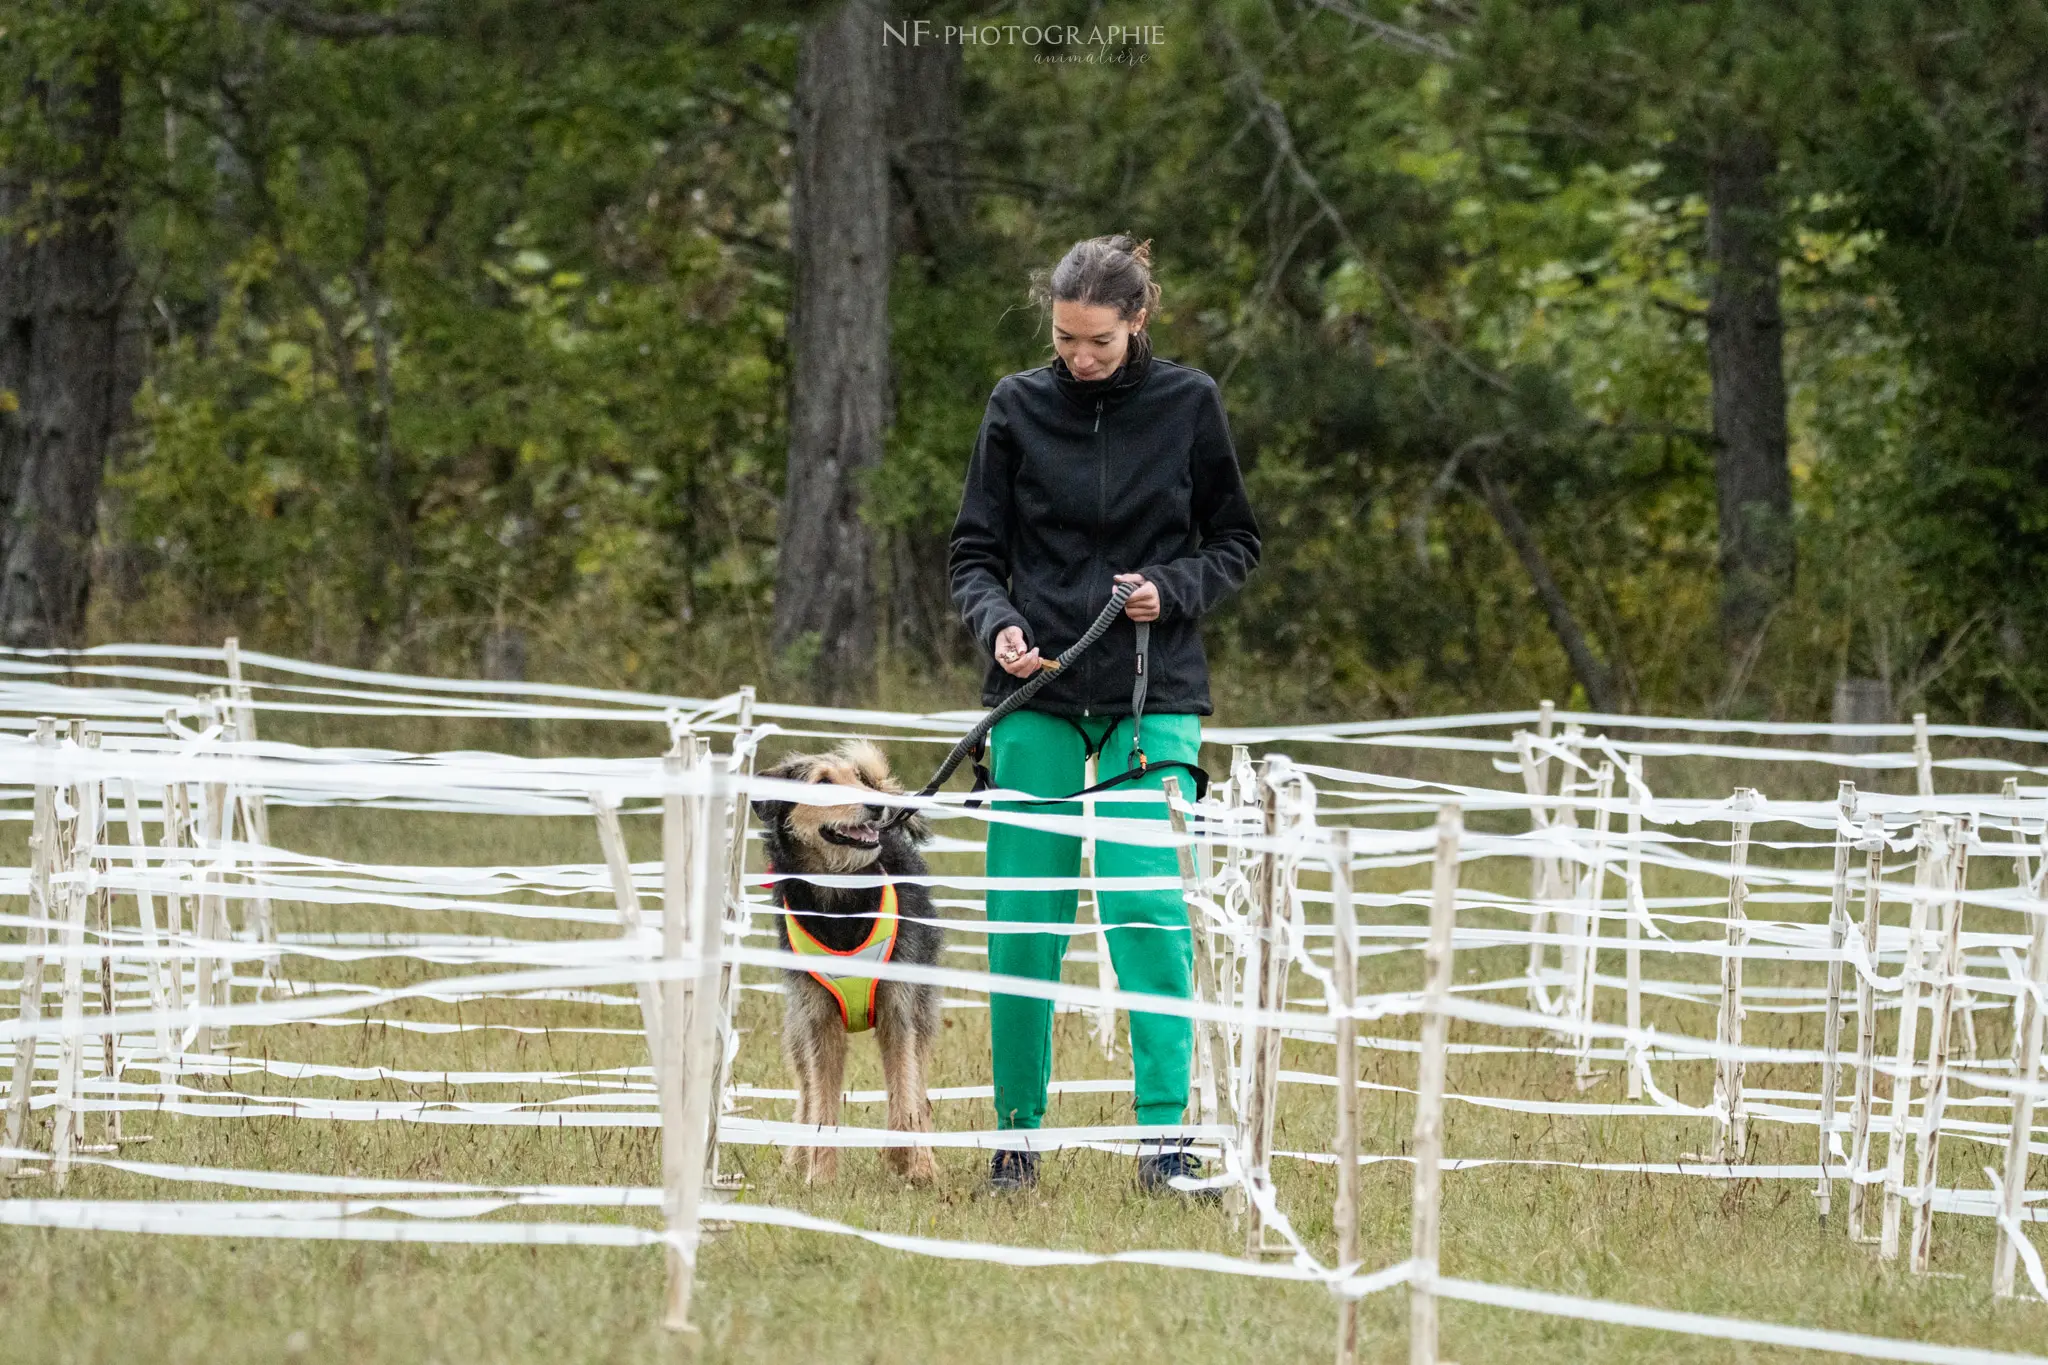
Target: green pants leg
column 1148, row 939
column 1155, row 954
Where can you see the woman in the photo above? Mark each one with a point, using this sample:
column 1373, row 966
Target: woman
column 1106, row 466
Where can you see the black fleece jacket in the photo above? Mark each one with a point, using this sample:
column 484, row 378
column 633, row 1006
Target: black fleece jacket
column 1075, row 481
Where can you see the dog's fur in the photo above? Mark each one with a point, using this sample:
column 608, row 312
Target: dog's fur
column 804, row 838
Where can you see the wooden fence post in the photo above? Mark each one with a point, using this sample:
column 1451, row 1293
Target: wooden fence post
column 619, row 869
column 42, row 854
column 1951, row 969
column 1595, row 883
column 66, row 1122
column 255, row 820
column 102, row 919
column 736, row 919
column 177, row 815
column 216, row 974
column 1634, row 774
column 2028, row 1075
column 1429, row 1092
column 693, row 880
column 1923, row 764
column 1263, row 1049
column 2022, row 1003
column 1923, row 755
column 1211, row 1063
column 1733, row 1136
column 1105, row 965
column 1566, row 879
column 145, row 918
column 1535, row 776
column 1932, row 842
column 677, row 825
column 1866, row 1031
column 1831, row 1033
column 1344, row 973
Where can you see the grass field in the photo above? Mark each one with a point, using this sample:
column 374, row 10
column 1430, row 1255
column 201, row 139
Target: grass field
column 1744, row 1248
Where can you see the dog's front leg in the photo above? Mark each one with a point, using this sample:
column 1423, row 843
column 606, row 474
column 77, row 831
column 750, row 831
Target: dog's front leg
column 814, row 1045
column 829, row 1083
column 906, row 1057
column 814, row 1041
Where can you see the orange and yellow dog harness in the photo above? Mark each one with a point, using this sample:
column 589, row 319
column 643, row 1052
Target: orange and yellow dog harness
column 854, row 991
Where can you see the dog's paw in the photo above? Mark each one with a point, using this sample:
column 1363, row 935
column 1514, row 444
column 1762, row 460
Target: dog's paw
column 915, row 1165
column 824, row 1167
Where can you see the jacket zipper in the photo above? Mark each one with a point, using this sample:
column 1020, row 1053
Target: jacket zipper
column 1101, row 487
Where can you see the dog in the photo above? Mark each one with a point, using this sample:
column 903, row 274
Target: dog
column 848, row 923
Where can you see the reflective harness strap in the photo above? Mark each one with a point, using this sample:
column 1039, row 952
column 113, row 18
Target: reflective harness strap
column 854, row 991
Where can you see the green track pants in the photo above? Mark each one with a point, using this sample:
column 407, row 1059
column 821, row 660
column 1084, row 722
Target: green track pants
column 1044, row 754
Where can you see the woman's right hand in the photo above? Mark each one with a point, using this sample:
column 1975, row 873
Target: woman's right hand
column 1016, row 660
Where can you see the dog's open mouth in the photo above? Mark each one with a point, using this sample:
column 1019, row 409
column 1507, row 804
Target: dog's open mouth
column 863, row 835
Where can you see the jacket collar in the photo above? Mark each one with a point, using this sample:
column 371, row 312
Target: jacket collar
column 1114, row 387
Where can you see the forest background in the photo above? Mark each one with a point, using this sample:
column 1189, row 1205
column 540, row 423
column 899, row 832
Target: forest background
column 1679, row 357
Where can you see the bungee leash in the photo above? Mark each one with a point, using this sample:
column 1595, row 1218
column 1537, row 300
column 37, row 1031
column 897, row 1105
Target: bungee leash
column 974, row 742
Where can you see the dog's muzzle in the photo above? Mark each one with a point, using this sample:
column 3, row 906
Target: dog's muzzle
column 867, row 834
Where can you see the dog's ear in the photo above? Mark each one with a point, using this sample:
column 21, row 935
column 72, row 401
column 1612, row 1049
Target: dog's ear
column 792, row 768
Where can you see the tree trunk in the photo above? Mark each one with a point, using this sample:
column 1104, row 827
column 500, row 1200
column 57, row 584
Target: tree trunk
column 928, row 208
column 1746, row 356
column 825, row 611
column 929, row 214
column 62, row 368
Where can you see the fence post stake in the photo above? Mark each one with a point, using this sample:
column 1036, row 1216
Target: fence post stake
column 2028, row 1075
column 1866, row 1030
column 1344, row 972
column 1263, row 1046
column 67, row 1123
column 1831, row 1034
column 1734, row 1135
column 1634, row 956
column 735, row 919
column 255, row 820
column 1429, row 1092
column 1951, row 968
column 1596, row 891
column 1211, row 1066
column 1932, row 848
column 42, row 850
column 619, row 868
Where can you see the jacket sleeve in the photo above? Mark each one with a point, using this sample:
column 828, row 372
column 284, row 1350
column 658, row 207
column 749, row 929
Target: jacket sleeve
column 1228, row 548
column 978, row 559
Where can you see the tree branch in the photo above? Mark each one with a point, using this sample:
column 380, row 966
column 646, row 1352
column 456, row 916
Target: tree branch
column 320, row 23
column 1391, row 34
column 1586, row 666
column 1274, row 118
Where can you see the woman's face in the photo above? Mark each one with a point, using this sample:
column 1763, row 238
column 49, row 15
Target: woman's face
column 1091, row 338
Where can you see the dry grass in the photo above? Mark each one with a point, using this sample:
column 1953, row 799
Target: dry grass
column 1745, row 1248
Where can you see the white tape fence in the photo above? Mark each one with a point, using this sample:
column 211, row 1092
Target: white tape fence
column 141, row 951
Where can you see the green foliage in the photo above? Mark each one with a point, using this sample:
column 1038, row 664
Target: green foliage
column 480, row 329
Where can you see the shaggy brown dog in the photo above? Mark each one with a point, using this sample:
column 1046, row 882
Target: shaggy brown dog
column 852, row 840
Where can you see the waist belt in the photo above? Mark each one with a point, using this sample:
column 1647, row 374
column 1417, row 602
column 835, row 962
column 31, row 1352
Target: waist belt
column 854, row 991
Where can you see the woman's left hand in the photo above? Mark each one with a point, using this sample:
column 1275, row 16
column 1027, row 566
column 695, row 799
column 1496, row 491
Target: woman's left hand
column 1144, row 603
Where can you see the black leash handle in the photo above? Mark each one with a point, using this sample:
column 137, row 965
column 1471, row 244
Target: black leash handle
column 1120, row 595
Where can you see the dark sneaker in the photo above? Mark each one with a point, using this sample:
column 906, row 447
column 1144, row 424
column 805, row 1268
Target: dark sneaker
column 1156, row 1171
column 1012, row 1171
